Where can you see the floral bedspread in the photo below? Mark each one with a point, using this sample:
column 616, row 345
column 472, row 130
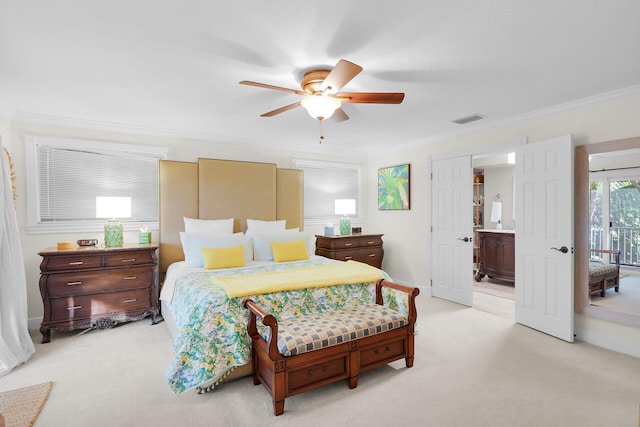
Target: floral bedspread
column 212, row 337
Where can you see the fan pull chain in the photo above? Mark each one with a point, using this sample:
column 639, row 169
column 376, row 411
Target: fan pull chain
column 321, row 132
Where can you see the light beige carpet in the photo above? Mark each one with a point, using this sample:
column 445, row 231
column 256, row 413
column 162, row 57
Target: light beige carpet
column 627, row 300
column 21, row 407
column 496, row 288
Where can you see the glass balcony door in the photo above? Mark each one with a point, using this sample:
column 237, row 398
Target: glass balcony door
column 618, row 199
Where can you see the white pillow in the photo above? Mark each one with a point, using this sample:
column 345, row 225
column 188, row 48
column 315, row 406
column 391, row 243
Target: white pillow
column 258, row 226
column 262, row 242
column 208, row 226
column 192, row 244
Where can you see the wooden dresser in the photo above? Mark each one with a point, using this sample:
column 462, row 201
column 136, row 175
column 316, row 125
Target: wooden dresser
column 365, row 248
column 97, row 287
column 496, row 255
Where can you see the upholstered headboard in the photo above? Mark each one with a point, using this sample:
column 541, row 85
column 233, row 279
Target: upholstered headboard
column 219, row 189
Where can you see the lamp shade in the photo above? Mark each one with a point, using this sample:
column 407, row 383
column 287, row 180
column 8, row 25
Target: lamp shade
column 320, row 107
column 345, row 206
column 113, row 207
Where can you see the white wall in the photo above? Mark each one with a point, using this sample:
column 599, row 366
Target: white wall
column 184, row 150
column 5, row 132
column 406, row 233
column 499, row 180
column 407, row 240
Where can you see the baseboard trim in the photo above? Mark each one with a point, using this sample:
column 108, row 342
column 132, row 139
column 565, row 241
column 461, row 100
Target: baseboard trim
column 34, row 323
column 632, row 348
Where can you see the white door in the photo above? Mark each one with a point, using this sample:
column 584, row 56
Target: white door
column 544, row 236
column 452, row 219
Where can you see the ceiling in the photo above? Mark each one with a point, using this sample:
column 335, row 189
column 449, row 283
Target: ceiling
column 174, row 67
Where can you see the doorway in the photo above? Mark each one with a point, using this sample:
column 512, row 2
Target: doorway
column 494, row 226
column 582, row 155
column 614, row 224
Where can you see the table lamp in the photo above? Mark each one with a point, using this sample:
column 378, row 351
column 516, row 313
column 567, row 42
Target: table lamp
column 345, row 207
column 113, row 208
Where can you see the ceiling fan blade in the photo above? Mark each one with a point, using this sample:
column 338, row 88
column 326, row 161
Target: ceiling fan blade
column 266, row 86
column 370, row 97
column 281, row 110
column 339, row 115
column 341, row 74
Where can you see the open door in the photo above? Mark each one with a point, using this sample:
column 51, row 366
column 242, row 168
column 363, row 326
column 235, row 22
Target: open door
column 544, row 236
column 452, row 245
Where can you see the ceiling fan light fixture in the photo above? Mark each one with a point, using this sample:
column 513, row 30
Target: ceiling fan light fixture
column 320, row 107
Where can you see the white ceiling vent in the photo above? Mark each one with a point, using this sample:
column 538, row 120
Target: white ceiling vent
column 468, row 119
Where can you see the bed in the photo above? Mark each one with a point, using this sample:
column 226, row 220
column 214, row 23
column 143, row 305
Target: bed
column 202, row 306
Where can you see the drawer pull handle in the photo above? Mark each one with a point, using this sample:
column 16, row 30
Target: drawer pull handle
column 75, row 307
column 372, row 255
column 74, row 283
column 129, row 260
column 347, row 257
column 130, row 300
column 130, row 277
column 325, row 367
column 371, row 243
column 348, row 244
column 76, row 263
column 310, row 372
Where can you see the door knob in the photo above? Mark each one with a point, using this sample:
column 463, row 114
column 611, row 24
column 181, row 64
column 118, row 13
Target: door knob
column 563, row 249
column 466, row 239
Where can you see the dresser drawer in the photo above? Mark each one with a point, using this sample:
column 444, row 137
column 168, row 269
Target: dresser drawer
column 372, row 256
column 71, row 262
column 370, row 241
column 83, row 306
column 128, row 258
column 89, row 282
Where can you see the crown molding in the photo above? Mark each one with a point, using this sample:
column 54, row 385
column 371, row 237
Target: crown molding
column 44, row 119
column 321, row 149
column 614, row 95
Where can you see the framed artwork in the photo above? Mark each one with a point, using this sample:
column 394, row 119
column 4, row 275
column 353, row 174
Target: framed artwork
column 393, row 188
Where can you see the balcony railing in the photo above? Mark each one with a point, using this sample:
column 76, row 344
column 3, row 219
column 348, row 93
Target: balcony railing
column 624, row 239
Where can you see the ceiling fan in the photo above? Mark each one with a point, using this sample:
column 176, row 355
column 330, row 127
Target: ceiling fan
column 322, row 99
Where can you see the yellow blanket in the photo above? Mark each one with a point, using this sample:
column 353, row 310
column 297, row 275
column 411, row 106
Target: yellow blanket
column 299, row 278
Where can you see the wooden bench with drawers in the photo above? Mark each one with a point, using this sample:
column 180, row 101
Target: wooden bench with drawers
column 301, row 354
column 604, row 276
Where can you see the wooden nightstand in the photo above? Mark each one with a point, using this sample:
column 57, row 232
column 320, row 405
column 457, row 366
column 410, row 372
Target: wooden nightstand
column 365, row 248
column 97, row 287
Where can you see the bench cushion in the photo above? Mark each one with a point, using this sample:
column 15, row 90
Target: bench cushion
column 303, row 334
column 600, row 269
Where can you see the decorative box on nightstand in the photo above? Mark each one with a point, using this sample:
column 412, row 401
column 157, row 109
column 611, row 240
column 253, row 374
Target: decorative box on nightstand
column 94, row 287
column 365, row 248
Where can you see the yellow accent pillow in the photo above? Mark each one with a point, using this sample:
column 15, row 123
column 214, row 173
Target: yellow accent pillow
column 223, row 257
column 289, row 251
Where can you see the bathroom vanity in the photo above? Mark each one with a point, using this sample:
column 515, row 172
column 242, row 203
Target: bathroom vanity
column 496, row 255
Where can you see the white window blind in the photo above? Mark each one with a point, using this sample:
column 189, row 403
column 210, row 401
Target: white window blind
column 68, row 175
column 324, row 182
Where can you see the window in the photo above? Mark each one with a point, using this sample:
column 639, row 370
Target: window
column 324, row 182
column 65, row 176
column 614, row 216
